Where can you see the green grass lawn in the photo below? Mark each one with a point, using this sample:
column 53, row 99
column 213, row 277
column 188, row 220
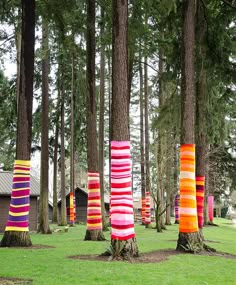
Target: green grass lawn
column 51, row 265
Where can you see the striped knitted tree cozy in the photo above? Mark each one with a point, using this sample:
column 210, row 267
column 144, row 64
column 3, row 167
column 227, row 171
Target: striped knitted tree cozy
column 177, row 208
column 188, row 206
column 148, row 209
column 72, row 214
column 94, row 212
column 18, row 219
column 143, row 209
column 122, row 217
column 200, row 184
column 210, row 207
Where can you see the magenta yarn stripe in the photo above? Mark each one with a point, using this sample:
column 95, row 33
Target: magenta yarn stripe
column 122, row 216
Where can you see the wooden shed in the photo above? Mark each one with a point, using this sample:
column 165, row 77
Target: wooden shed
column 5, row 198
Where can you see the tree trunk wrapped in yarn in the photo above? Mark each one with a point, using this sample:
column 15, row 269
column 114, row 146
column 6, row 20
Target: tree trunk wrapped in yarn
column 200, row 184
column 72, row 215
column 122, row 218
column 18, row 219
column 143, row 210
column 188, row 207
column 210, row 208
column 94, row 212
column 177, row 209
column 148, row 210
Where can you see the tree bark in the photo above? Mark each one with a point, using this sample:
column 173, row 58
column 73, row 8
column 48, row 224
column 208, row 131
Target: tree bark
column 55, row 165
column 101, row 122
column 92, row 149
column 142, row 157
column 43, row 226
column 63, row 221
column 188, row 241
column 72, row 136
column 24, row 114
column 120, row 100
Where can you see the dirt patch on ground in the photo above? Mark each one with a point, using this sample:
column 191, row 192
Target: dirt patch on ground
column 150, row 257
column 14, row 281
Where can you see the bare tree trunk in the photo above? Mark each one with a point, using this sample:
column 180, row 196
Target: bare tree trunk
column 12, row 236
column 43, row 226
column 63, row 221
column 55, row 166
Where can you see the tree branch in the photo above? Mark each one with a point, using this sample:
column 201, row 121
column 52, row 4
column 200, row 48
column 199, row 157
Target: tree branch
column 229, row 4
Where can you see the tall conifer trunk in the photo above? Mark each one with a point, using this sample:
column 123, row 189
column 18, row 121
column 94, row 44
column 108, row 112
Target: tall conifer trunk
column 43, row 209
column 123, row 240
column 93, row 232
column 55, row 164
column 63, row 221
column 12, row 235
column 189, row 238
column 101, row 121
column 72, row 144
column 142, row 157
column 146, row 122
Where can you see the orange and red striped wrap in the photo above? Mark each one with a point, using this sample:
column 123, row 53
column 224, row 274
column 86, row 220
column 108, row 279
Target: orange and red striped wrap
column 148, row 209
column 122, row 215
column 177, row 208
column 94, row 212
column 143, row 209
column 188, row 206
column 210, row 208
column 18, row 219
column 200, row 184
column 72, row 215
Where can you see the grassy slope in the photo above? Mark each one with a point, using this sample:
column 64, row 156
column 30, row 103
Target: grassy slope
column 50, row 266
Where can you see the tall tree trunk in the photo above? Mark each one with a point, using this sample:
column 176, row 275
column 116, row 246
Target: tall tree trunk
column 123, row 242
column 43, row 226
column 142, row 158
column 201, row 108
column 12, row 235
column 63, row 221
column 146, row 122
column 18, row 56
column 55, row 166
column 101, row 121
column 72, row 144
column 92, row 150
column 169, row 195
column 160, row 222
column 189, row 238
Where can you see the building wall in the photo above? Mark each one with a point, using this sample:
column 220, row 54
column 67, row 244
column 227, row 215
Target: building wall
column 4, row 209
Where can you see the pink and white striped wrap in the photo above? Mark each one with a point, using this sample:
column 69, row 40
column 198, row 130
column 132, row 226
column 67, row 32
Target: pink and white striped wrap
column 122, row 215
column 148, row 209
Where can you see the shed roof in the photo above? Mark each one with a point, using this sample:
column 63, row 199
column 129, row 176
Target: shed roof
column 6, row 184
